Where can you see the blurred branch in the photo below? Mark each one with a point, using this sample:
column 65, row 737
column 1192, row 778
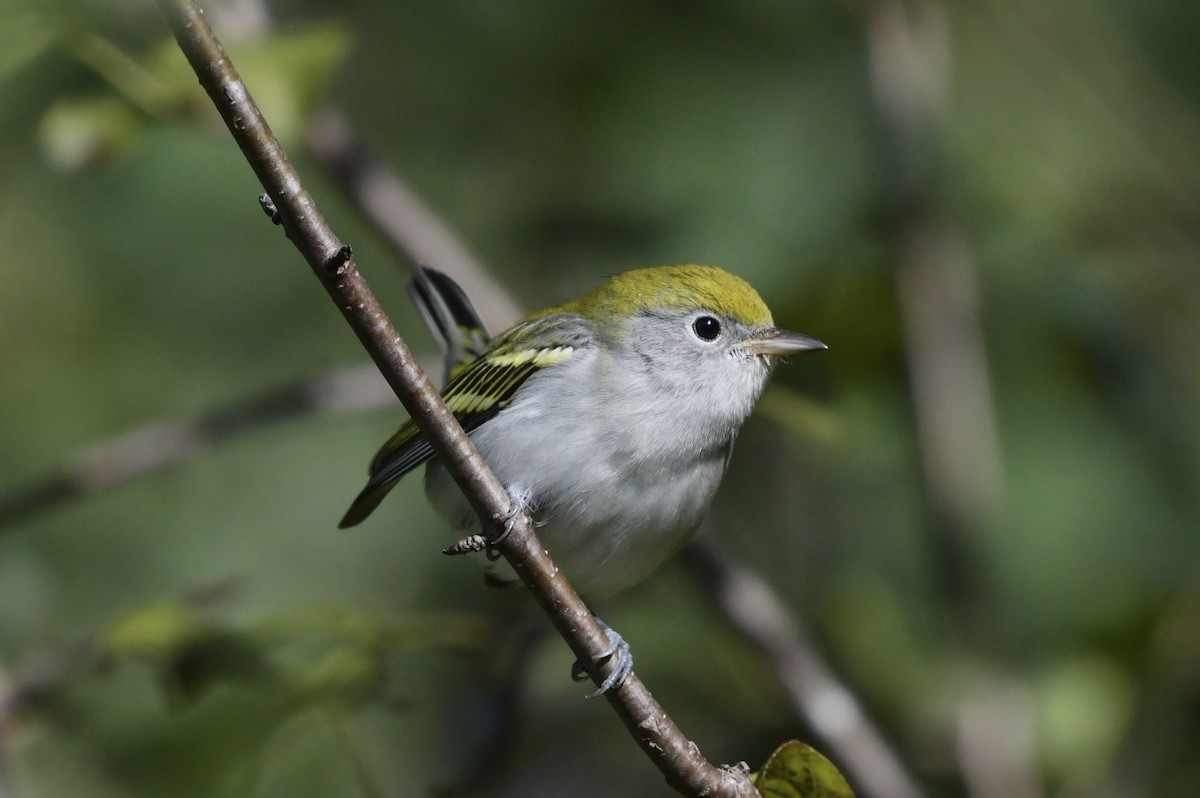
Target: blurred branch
column 996, row 742
column 415, row 233
column 936, row 285
column 155, row 446
column 828, row 706
column 333, row 264
column 938, row 296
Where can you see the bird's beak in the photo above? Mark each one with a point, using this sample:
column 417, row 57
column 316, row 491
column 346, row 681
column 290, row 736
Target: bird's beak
column 774, row 341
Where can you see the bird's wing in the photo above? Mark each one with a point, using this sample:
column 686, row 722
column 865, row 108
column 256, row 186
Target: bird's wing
column 475, row 395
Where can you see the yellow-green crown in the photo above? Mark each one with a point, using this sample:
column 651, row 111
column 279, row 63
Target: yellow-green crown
column 673, row 288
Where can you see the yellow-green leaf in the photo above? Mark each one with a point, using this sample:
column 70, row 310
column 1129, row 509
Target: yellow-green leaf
column 158, row 630
column 797, row 770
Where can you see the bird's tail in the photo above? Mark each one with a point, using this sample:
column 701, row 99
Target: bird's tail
column 364, row 504
column 451, row 318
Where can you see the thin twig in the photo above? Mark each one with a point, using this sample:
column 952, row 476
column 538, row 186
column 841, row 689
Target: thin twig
column 332, row 262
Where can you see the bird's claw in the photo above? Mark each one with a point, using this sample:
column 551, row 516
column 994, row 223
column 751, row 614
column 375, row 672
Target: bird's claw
column 624, row 662
column 518, row 503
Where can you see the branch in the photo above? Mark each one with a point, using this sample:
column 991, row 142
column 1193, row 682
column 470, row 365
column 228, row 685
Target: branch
column 333, row 264
column 159, row 444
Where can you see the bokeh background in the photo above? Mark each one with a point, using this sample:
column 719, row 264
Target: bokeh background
column 981, row 503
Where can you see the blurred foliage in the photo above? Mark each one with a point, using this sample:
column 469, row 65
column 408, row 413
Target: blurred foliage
column 141, row 281
column 291, row 73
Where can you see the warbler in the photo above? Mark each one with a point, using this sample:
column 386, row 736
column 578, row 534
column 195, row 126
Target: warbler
column 611, row 418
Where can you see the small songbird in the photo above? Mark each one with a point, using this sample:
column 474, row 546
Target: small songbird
column 611, row 418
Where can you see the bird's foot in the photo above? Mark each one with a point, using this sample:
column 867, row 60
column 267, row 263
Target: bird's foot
column 624, row 663
column 519, row 502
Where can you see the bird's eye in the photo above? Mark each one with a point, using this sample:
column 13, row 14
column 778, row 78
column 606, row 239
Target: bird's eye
column 706, row 328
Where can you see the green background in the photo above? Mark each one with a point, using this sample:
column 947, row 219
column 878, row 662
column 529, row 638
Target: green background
column 1052, row 148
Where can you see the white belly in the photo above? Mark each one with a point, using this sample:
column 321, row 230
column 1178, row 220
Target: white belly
column 622, row 491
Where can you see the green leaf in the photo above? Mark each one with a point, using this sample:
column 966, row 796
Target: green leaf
column 797, row 770
column 155, row 631
column 78, row 133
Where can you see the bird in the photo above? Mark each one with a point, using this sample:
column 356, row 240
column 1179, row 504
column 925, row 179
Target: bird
column 611, row 418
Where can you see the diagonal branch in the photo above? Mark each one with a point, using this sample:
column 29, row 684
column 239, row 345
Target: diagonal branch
column 333, row 264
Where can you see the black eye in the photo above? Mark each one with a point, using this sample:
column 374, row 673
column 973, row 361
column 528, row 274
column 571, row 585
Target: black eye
column 706, row 328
